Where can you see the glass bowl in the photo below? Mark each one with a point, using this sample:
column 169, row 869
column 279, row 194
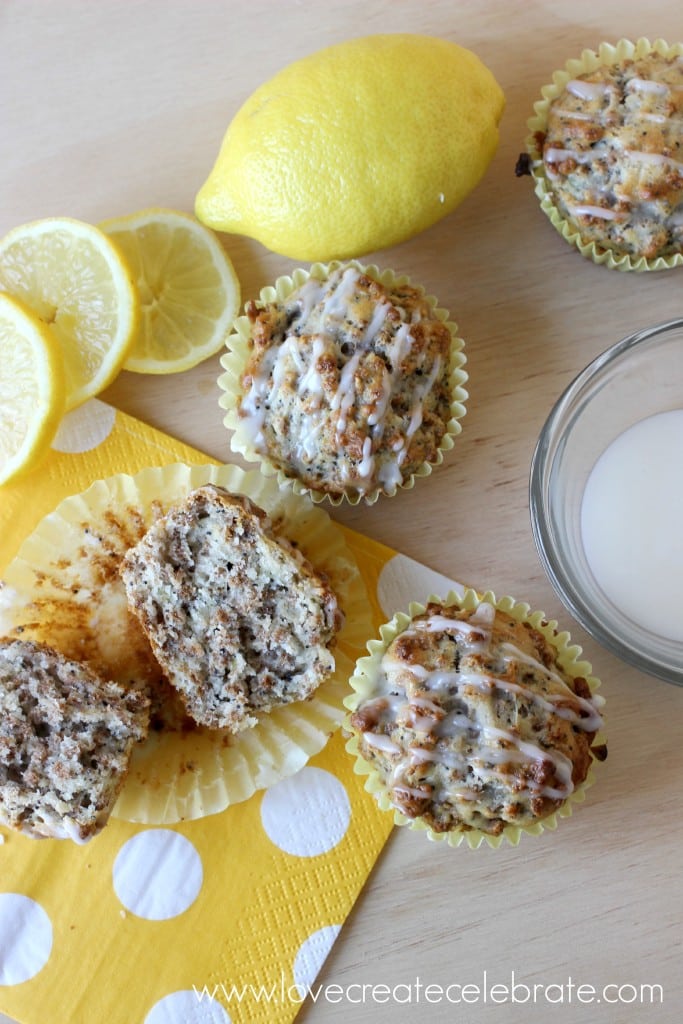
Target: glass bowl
column 638, row 377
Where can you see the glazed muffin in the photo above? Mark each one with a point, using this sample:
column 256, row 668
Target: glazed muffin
column 469, row 721
column 608, row 149
column 238, row 620
column 66, row 738
column 348, row 382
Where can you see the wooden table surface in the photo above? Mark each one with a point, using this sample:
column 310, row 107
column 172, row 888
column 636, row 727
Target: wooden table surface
column 110, row 107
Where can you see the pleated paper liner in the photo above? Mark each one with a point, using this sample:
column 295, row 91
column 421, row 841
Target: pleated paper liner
column 63, row 588
column 235, row 359
column 607, row 55
column 363, row 685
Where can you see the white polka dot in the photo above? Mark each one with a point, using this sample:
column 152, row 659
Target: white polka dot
column 312, row 954
column 157, row 874
column 86, row 427
column 187, row 1007
column 403, row 580
column 25, row 938
column 306, row 814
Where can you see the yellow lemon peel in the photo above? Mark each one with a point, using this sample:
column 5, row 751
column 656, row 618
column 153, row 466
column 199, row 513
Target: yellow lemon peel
column 356, row 147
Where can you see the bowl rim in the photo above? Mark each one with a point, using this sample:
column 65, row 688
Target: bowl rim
column 541, row 462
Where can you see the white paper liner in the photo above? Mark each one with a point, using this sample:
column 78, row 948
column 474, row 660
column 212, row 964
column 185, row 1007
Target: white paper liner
column 63, row 589
column 363, row 685
column 234, row 361
column 606, row 55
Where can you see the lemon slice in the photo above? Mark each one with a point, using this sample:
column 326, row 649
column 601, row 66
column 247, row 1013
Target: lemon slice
column 31, row 389
column 188, row 288
column 74, row 279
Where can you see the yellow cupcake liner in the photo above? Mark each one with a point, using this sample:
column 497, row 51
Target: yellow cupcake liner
column 63, row 589
column 607, row 55
column 363, row 684
column 234, row 361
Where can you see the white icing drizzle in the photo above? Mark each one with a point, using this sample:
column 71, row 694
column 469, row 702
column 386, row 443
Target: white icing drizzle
column 62, row 828
column 483, row 615
column 389, row 474
column 366, row 465
column 425, row 702
column 442, row 681
column 333, row 293
column 577, row 115
column 585, row 210
column 419, row 794
column 376, row 322
column 389, row 663
column 586, row 90
column 375, row 418
column 308, row 439
column 649, row 101
column 523, row 753
column 648, row 85
column 452, row 723
column 514, row 652
column 402, row 343
column 381, row 742
column 417, row 408
column 418, row 755
column 444, row 624
column 590, row 721
column 346, row 392
column 491, row 747
column 554, row 155
column 328, row 302
column 309, row 295
column 652, row 158
column 311, row 380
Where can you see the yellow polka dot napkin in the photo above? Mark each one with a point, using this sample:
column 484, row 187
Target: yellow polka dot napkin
column 223, row 919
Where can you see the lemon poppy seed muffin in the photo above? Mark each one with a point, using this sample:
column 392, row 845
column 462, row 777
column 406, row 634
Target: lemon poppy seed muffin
column 612, row 155
column 66, row 737
column 471, row 723
column 347, row 384
column 238, row 620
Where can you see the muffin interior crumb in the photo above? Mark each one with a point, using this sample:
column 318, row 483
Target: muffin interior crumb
column 66, row 736
column 237, row 618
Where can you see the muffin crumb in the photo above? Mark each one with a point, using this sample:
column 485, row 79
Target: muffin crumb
column 66, row 737
column 237, row 618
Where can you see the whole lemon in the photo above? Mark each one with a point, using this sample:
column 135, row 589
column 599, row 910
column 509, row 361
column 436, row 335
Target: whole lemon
column 356, row 147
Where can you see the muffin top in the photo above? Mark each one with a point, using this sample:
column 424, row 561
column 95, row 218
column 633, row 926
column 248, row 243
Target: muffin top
column 613, row 156
column 346, row 387
column 473, row 724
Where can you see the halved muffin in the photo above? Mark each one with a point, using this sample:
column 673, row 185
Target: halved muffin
column 66, row 737
column 237, row 618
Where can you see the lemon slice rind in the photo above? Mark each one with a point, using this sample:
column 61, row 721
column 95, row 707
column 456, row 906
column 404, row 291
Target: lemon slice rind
column 32, row 389
column 74, row 278
column 190, row 293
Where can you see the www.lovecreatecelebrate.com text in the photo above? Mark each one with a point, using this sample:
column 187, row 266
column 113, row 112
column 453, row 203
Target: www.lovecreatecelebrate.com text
column 417, row 991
